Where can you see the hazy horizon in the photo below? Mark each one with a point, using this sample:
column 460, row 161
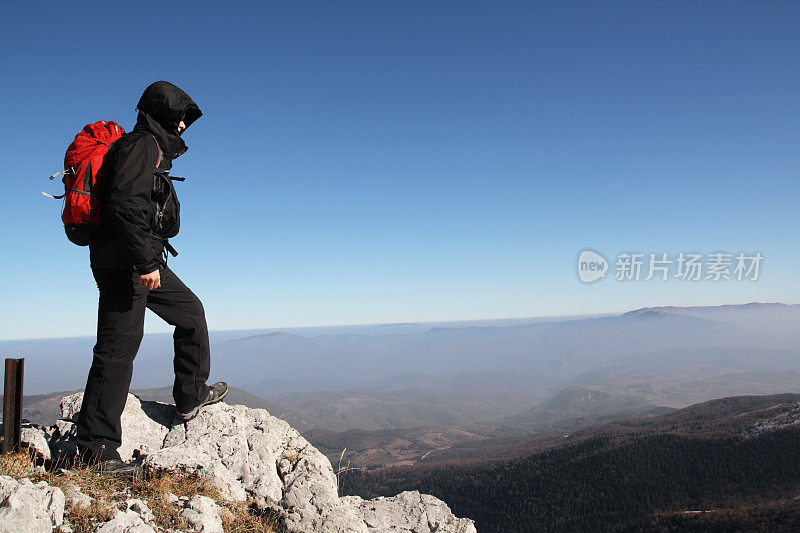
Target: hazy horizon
column 167, row 330
column 520, row 359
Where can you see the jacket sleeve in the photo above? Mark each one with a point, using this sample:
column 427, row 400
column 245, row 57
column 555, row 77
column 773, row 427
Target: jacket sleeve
column 128, row 201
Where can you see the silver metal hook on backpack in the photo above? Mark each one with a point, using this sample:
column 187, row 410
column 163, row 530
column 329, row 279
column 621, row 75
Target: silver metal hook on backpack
column 70, row 170
column 61, row 173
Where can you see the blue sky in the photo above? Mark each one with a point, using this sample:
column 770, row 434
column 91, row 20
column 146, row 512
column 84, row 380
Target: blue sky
column 363, row 162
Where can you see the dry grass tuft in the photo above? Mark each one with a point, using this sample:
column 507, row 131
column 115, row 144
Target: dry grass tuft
column 86, row 518
column 110, row 492
column 17, row 465
column 245, row 518
column 293, row 457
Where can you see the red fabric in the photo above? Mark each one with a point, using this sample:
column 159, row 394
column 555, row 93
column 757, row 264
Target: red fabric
column 89, row 147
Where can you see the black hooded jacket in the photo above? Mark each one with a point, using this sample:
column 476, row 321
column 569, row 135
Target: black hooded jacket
column 133, row 191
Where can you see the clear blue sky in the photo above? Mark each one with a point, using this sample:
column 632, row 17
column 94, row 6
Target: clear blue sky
column 363, row 162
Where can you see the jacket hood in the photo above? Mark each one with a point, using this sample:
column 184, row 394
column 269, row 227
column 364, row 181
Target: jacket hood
column 161, row 107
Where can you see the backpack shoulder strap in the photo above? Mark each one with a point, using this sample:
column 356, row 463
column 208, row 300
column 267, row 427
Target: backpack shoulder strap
column 158, row 161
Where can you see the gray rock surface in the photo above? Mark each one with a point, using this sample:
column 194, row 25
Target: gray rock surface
column 408, row 512
column 35, row 439
column 28, row 507
column 144, row 424
column 248, row 453
column 140, row 507
column 125, row 522
column 203, row 514
column 70, row 406
column 77, row 498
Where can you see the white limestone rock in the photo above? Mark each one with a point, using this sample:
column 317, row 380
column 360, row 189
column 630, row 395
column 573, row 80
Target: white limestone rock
column 140, row 507
column 70, row 406
column 144, row 425
column 35, row 439
column 28, row 507
column 235, row 446
column 125, row 522
column 248, row 453
column 203, row 514
column 409, row 512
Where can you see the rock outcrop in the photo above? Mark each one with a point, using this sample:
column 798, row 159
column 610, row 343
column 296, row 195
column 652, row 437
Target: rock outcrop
column 36, row 440
column 202, row 513
column 128, row 521
column 29, row 507
column 144, row 424
column 250, row 454
column 407, row 512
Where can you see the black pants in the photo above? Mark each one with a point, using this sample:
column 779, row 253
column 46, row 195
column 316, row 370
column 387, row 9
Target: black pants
column 120, row 326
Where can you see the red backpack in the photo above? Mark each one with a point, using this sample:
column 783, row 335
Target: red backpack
column 81, row 177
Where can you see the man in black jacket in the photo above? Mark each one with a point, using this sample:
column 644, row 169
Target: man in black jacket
column 128, row 259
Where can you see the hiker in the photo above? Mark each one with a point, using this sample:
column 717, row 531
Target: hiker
column 129, row 262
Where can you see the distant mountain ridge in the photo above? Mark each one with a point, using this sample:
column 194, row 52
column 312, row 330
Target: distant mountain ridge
column 705, row 308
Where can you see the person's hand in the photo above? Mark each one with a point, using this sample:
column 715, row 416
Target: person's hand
column 150, row 281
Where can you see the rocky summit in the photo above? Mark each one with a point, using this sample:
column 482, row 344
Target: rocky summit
column 249, row 455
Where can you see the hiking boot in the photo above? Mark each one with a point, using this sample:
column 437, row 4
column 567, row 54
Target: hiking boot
column 86, row 456
column 216, row 393
column 113, row 466
column 119, row 468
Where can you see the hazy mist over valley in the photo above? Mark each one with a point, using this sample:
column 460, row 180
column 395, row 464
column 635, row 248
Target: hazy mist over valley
column 408, row 392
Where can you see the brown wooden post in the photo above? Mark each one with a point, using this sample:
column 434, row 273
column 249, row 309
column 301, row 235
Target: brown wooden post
column 12, row 405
